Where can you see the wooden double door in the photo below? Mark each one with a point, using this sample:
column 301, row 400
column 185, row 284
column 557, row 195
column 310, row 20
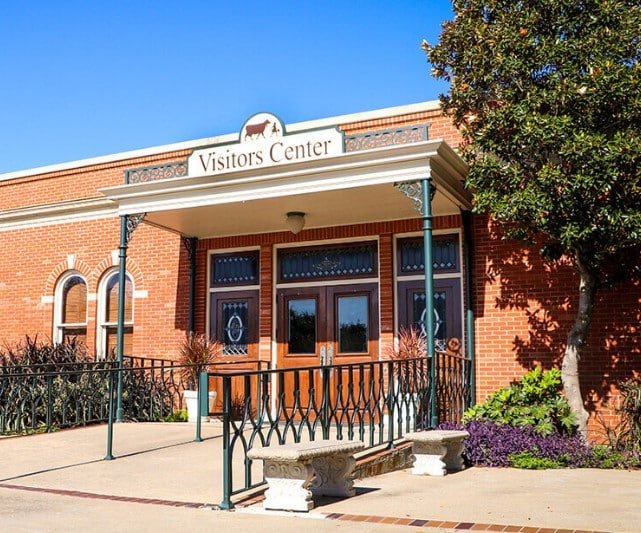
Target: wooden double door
column 327, row 325
column 322, row 326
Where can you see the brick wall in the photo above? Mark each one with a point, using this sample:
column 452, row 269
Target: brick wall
column 34, row 259
column 524, row 309
column 74, row 184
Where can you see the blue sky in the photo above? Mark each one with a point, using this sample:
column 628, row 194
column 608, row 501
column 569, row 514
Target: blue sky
column 89, row 78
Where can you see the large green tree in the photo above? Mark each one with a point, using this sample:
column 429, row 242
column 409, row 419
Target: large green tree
column 547, row 94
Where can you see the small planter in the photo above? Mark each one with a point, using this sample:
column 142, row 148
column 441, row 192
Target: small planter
column 191, row 399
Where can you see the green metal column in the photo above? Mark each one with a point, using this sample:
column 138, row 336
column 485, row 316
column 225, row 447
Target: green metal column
column 120, row 332
column 426, row 190
column 466, row 216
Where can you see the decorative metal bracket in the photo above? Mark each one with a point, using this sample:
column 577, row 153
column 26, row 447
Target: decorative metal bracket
column 412, row 189
column 190, row 244
column 132, row 223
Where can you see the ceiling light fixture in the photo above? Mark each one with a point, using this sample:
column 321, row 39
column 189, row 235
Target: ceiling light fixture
column 295, row 221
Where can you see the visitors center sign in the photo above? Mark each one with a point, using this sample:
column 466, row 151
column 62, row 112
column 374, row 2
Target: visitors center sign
column 263, row 142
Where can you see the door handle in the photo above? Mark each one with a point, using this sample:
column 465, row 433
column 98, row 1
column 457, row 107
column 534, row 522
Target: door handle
column 330, row 355
column 323, row 355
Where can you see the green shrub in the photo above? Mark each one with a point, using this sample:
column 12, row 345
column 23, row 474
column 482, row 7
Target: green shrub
column 55, row 385
column 604, row 456
column 177, row 416
column 530, row 461
column 48, row 357
column 536, row 400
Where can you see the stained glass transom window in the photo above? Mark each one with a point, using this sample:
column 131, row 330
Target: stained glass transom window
column 327, row 263
column 445, row 255
column 235, row 269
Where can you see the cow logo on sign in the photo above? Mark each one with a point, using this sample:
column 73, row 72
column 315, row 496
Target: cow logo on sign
column 261, row 126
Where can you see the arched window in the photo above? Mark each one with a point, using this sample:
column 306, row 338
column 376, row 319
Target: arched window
column 108, row 316
column 71, row 308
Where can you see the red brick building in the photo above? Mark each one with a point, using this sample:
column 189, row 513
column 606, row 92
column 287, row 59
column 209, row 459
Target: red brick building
column 225, row 208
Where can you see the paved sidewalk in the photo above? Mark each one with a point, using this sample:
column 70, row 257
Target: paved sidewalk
column 163, row 481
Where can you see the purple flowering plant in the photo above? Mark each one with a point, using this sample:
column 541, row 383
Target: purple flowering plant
column 494, row 444
column 529, row 425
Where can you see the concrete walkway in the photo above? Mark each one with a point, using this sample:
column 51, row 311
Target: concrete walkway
column 163, row 481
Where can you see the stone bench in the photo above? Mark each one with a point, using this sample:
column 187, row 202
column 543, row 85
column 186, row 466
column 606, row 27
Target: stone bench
column 437, row 451
column 295, row 472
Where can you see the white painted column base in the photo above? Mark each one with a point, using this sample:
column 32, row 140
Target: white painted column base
column 289, row 484
column 334, row 475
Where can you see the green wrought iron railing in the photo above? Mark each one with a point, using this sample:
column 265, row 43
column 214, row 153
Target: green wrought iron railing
column 33, row 400
column 375, row 402
column 49, row 396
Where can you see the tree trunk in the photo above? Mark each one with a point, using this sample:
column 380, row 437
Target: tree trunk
column 574, row 348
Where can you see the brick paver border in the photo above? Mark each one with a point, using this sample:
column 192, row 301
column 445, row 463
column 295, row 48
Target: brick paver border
column 95, row 496
column 391, row 520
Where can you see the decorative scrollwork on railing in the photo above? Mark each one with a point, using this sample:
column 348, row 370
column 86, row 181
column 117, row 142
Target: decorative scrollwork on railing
column 155, row 173
column 380, row 138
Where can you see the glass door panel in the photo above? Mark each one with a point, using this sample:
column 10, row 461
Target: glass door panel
column 353, row 324
column 301, row 327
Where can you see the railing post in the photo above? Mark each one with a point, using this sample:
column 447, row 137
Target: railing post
column 48, row 422
column 202, row 393
column 325, row 403
column 227, row 455
column 110, row 418
column 391, row 399
column 3, row 410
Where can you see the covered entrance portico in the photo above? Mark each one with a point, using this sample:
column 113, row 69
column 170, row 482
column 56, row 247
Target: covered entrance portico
column 339, row 289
